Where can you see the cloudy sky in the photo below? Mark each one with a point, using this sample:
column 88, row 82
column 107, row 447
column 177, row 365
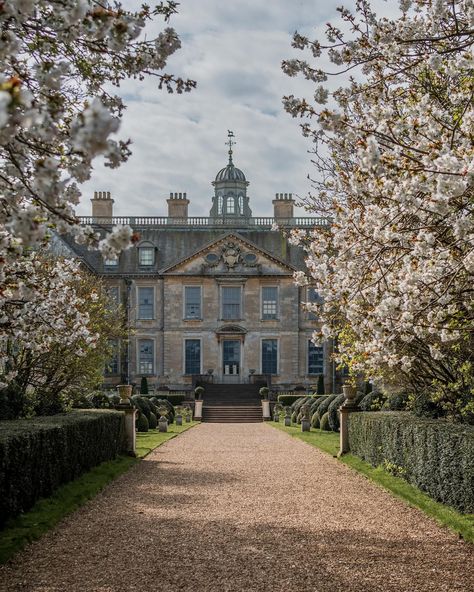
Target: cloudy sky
column 233, row 49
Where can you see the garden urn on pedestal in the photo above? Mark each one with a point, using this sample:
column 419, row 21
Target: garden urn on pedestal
column 125, row 392
column 347, row 407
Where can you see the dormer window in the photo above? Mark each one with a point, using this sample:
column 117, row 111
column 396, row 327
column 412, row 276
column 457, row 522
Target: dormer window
column 111, row 262
column 146, row 255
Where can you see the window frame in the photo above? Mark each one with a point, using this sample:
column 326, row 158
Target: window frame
column 277, row 341
column 111, row 263
column 308, row 347
column 230, row 199
column 198, row 340
column 140, row 340
column 148, row 248
column 139, row 305
column 310, row 315
column 185, row 303
column 113, row 372
column 240, row 315
column 262, row 303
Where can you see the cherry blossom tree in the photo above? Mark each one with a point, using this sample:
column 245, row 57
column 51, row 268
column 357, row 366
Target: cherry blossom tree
column 395, row 171
column 55, row 329
column 59, row 61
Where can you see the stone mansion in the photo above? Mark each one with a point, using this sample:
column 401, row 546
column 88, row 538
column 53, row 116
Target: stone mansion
column 212, row 295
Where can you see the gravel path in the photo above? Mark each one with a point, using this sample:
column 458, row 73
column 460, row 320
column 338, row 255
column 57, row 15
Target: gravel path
column 243, row 507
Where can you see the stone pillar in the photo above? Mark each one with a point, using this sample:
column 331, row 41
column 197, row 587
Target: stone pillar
column 130, row 434
column 349, row 406
column 266, row 410
column 178, row 205
column 283, row 206
column 198, row 410
column 102, row 205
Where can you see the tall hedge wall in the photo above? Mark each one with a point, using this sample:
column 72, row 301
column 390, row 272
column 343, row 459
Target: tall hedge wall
column 37, row 455
column 434, row 455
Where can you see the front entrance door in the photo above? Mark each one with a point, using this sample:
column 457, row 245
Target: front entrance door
column 231, row 360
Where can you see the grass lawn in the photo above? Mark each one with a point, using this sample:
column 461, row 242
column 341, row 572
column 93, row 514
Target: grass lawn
column 462, row 524
column 46, row 513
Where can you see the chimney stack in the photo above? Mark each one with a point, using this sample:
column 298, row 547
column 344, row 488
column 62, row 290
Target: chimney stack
column 102, row 205
column 178, row 205
column 283, row 206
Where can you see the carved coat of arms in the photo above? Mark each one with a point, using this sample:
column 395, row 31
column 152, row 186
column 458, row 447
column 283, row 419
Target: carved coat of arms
column 231, row 254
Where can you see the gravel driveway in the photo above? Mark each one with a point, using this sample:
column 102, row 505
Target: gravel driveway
column 243, row 507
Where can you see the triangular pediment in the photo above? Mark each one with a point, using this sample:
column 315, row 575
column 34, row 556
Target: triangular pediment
column 230, row 254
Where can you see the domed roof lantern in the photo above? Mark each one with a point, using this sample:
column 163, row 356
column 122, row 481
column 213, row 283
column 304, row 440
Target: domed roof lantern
column 230, row 172
column 230, row 186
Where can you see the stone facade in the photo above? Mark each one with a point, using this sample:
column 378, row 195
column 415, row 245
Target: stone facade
column 211, row 294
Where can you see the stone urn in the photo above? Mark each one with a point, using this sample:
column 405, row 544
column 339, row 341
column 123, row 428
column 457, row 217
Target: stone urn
column 349, row 392
column 125, row 392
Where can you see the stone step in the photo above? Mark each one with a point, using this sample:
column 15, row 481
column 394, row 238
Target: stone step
column 232, row 414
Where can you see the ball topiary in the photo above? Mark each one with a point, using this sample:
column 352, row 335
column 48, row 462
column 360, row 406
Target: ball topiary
column 333, row 412
column 152, row 422
column 142, row 422
column 324, row 424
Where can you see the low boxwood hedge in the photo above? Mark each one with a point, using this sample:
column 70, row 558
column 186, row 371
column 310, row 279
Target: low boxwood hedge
column 434, row 455
column 37, row 455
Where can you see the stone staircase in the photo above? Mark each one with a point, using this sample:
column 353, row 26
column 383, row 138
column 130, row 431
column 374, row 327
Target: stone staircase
column 232, row 403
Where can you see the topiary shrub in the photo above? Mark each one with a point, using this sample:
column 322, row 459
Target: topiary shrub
column 99, row 400
column 299, row 417
column 142, row 422
column 324, row 424
column 317, row 402
column 324, row 406
column 396, row 402
column 333, row 413
column 373, row 402
column 152, row 422
column 142, row 404
column 288, row 398
column 294, row 415
column 315, row 420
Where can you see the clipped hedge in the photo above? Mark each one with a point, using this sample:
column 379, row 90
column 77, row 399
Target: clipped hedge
column 434, row 455
column 286, row 399
column 38, row 455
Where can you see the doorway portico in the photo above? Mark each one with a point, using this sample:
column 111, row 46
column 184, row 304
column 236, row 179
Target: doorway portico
column 231, row 340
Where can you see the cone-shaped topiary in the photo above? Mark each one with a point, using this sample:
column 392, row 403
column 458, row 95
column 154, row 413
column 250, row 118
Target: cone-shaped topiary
column 320, row 390
column 144, row 386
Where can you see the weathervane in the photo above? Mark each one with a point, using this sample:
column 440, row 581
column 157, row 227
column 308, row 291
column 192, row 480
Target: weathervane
column 230, row 143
